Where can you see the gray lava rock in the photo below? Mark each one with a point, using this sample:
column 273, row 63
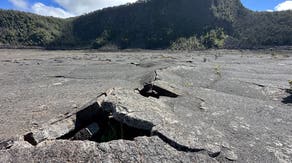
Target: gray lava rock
column 87, row 132
column 235, row 107
column 143, row 149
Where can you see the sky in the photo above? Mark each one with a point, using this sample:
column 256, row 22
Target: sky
column 70, row 8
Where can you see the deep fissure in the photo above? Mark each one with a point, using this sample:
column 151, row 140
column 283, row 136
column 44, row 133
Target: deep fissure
column 95, row 123
column 288, row 99
column 151, row 90
column 104, row 129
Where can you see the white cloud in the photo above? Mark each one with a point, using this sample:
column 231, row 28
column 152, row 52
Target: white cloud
column 21, row 4
column 44, row 10
column 287, row 5
column 79, row 7
column 69, row 8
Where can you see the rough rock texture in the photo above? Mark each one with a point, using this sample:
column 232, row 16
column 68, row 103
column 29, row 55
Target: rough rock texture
column 61, row 126
column 143, row 149
column 198, row 107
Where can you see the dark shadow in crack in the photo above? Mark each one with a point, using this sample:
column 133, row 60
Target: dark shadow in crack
column 184, row 148
column 151, row 90
column 81, row 119
column 288, row 99
column 175, row 144
column 92, row 123
column 97, row 123
column 100, row 126
column 106, row 129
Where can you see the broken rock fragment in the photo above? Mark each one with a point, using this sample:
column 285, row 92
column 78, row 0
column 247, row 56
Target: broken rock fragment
column 60, row 127
column 87, row 132
column 6, row 144
column 133, row 109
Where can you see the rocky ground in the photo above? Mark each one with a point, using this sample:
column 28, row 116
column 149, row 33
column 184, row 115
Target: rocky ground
column 149, row 106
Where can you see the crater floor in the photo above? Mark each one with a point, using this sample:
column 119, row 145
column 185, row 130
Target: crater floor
column 145, row 106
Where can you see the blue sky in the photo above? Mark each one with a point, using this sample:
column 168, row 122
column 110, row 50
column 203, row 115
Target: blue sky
column 261, row 5
column 69, row 8
column 6, row 4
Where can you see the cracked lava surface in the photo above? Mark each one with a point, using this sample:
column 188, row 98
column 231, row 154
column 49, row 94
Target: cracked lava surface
column 155, row 106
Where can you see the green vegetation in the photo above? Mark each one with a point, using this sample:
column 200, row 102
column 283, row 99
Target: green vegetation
column 256, row 29
column 153, row 24
column 190, row 44
column 215, row 38
column 19, row 28
column 101, row 40
column 217, row 70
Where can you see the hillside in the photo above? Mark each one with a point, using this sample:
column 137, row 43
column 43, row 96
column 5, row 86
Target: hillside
column 19, row 28
column 264, row 28
column 151, row 24
column 154, row 24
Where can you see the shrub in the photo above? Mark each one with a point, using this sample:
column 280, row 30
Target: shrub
column 215, row 38
column 101, row 40
column 189, row 44
column 98, row 43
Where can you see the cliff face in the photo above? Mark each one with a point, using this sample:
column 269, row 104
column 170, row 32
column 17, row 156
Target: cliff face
column 156, row 23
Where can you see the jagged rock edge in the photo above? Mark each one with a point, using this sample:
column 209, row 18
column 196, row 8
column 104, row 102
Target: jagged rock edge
column 122, row 118
column 109, row 107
